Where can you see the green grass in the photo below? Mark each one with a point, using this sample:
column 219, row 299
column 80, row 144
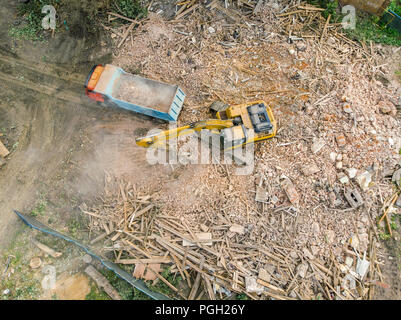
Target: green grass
column 40, row 208
column 384, row 236
column 130, row 8
column 96, row 294
column 31, row 17
column 367, row 26
column 21, row 282
column 367, row 29
column 163, row 288
column 395, row 6
column 242, row 296
column 393, row 223
column 126, row 291
column 75, row 226
column 26, row 32
column 330, row 6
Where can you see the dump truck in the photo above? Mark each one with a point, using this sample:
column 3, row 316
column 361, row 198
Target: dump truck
column 114, row 86
column 235, row 126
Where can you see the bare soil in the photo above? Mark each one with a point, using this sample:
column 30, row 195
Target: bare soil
column 62, row 144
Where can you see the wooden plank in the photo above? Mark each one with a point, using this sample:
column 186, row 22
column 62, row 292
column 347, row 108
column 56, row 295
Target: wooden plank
column 145, row 261
column 126, row 33
column 177, row 249
column 95, row 215
column 141, row 212
column 204, row 237
column 209, row 288
column 198, row 242
column 288, row 13
column 165, row 281
column 325, row 28
column 260, row 249
column 196, row 283
column 46, row 249
column 324, row 269
column 102, row 282
column 182, row 271
column 137, row 248
column 311, row 8
column 121, row 17
column 182, row 14
column 183, row 7
column 270, row 286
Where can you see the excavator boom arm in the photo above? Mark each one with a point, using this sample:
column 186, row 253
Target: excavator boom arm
column 160, row 139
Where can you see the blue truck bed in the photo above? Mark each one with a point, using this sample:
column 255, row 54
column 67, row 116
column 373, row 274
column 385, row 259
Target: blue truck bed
column 153, row 98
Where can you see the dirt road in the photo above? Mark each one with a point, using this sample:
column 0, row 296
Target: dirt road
column 61, row 143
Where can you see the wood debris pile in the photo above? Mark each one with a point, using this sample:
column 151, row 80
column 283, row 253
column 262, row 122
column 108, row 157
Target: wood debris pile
column 218, row 261
column 337, row 123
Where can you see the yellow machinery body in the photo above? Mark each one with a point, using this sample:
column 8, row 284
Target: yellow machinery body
column 235, row 125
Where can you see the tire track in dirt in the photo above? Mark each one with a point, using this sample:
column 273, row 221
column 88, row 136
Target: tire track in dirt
column 65, row 143
column 45, row 117
column 19, row 74
column 47, row 105
column 51, row 70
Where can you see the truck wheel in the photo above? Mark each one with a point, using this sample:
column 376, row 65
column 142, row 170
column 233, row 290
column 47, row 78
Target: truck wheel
column 218, row 106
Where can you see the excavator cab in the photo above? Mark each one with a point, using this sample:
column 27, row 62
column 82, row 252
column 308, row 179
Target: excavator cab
column 259, row 118
column 253, row 122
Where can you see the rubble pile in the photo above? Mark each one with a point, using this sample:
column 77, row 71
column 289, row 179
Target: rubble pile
column 304, row 224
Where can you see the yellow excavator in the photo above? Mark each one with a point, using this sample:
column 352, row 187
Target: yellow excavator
column 235, row 126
